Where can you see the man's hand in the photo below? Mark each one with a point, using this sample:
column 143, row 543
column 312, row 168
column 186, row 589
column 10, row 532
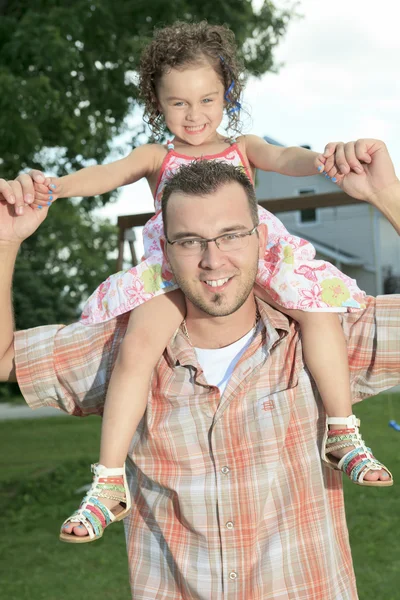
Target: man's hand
column 363, row 169
column 34, row 189
column 14, row 229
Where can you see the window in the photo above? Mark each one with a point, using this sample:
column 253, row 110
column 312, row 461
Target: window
column 307, row 215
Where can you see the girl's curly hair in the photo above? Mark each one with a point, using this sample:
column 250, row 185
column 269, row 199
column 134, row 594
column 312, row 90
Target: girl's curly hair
column 184, row 44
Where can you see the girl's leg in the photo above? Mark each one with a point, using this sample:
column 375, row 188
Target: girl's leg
column 325, row 354
column 151, row 326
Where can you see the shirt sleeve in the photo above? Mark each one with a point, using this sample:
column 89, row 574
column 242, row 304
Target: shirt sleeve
column 68, row 367
column 373, row 341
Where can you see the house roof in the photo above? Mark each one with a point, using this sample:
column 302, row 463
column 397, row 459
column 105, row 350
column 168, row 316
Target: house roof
column 329, row 251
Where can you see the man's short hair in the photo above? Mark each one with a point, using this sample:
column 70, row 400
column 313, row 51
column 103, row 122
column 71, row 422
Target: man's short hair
column 203, row 177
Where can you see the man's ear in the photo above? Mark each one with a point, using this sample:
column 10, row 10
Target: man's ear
column 163, row 244
column 262, row 239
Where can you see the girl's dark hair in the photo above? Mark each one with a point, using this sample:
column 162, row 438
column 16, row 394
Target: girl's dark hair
column 184, row 44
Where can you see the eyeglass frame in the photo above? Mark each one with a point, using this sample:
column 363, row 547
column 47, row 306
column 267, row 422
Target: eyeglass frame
column 214, row 239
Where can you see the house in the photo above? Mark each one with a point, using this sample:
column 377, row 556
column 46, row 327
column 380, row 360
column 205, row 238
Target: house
column 355, row 238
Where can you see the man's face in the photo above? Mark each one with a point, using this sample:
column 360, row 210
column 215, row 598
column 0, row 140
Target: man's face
column 214, row 282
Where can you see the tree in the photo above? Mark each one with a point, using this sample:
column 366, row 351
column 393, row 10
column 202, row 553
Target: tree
column 67, row 87
column 66, row 69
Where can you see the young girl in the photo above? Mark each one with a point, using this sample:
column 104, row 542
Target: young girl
column 189, row 75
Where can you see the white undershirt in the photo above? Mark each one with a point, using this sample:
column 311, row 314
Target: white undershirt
column 218, row 363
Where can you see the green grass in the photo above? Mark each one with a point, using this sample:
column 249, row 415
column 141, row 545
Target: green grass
column 373, row 515
column 43, row 460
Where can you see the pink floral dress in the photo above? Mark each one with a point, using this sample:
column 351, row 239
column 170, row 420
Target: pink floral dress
column 289, row 271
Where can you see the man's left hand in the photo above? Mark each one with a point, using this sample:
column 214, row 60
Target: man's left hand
column 363, row 169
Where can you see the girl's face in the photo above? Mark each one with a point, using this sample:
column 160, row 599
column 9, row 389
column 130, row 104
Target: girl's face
column 192, row 102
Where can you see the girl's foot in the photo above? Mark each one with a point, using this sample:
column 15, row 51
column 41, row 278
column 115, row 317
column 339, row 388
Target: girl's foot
column 107, row 500
column 344, row 449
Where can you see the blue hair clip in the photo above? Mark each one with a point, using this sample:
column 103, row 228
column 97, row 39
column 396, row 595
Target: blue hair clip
column 236, row 105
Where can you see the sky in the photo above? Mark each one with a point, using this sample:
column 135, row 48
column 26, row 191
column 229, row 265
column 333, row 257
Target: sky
column 339, row 80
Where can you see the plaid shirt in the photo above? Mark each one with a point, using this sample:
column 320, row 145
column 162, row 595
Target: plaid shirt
column 230, row 499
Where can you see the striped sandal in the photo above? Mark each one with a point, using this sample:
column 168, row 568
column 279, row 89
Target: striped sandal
column 107, row 483
column 360, row 460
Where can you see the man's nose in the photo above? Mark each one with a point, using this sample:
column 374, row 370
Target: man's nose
column 212, row 257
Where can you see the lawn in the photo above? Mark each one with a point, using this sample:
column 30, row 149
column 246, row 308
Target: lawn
column 44, row 461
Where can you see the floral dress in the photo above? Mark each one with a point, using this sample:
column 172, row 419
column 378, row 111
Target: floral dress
column 288, row 271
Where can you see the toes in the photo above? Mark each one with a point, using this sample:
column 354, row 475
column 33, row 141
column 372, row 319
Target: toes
column 74, row 529
column 372, row 475
column 80, row 531
column 381, row 475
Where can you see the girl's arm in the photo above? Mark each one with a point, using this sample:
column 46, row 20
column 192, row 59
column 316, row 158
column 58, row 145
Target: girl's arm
column 294, row 161
column 99, row 179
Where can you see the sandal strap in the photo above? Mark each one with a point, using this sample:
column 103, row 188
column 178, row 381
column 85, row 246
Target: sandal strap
column 92, row 513
column 349, row 422
column 358, row 461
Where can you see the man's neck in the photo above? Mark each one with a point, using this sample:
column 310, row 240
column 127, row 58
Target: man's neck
column 206, row 331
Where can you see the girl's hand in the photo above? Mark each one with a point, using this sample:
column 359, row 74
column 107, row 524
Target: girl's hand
column 32, row 189
column 46, row 192
column 327, row 165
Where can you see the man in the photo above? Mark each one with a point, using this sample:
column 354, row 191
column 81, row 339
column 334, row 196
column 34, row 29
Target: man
column 230, row 499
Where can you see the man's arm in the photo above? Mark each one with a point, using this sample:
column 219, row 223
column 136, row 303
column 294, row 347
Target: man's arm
column 388, row 202
column 13, row 230
column 7, row 260
column 373, row 342
column 65, row 367
column 68, row 367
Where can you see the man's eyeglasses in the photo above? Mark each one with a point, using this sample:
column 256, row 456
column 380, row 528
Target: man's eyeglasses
column 225, row 242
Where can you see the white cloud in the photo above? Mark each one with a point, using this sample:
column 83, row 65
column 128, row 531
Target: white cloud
column 340, row 77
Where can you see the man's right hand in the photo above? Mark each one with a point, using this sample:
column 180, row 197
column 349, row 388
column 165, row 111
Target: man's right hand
column 15, row 228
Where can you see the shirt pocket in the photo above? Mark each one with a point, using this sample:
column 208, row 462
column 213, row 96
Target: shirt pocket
column 272, row 409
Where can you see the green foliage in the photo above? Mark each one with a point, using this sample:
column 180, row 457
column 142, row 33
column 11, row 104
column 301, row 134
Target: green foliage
column 67, row 89
column 66, row 259
column 66, row 69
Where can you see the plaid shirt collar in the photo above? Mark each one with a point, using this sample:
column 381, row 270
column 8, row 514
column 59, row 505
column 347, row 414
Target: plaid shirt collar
column 275, row 325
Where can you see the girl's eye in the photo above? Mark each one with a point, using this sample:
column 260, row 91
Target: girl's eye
column 178, row 104
column 207, row 100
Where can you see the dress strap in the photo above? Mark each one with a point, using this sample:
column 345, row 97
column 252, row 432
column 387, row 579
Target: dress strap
column 170, row 145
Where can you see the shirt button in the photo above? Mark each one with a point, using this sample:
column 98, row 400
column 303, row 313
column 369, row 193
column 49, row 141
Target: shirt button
column 232, row 575
column 225, row 470
column 229, row 525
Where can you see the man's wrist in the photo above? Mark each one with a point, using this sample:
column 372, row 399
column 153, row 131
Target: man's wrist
column 387, row 201
column 389, row 192
column 9, row 247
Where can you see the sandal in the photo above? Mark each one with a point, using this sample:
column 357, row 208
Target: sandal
column 107, row 483
column 360, row 460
